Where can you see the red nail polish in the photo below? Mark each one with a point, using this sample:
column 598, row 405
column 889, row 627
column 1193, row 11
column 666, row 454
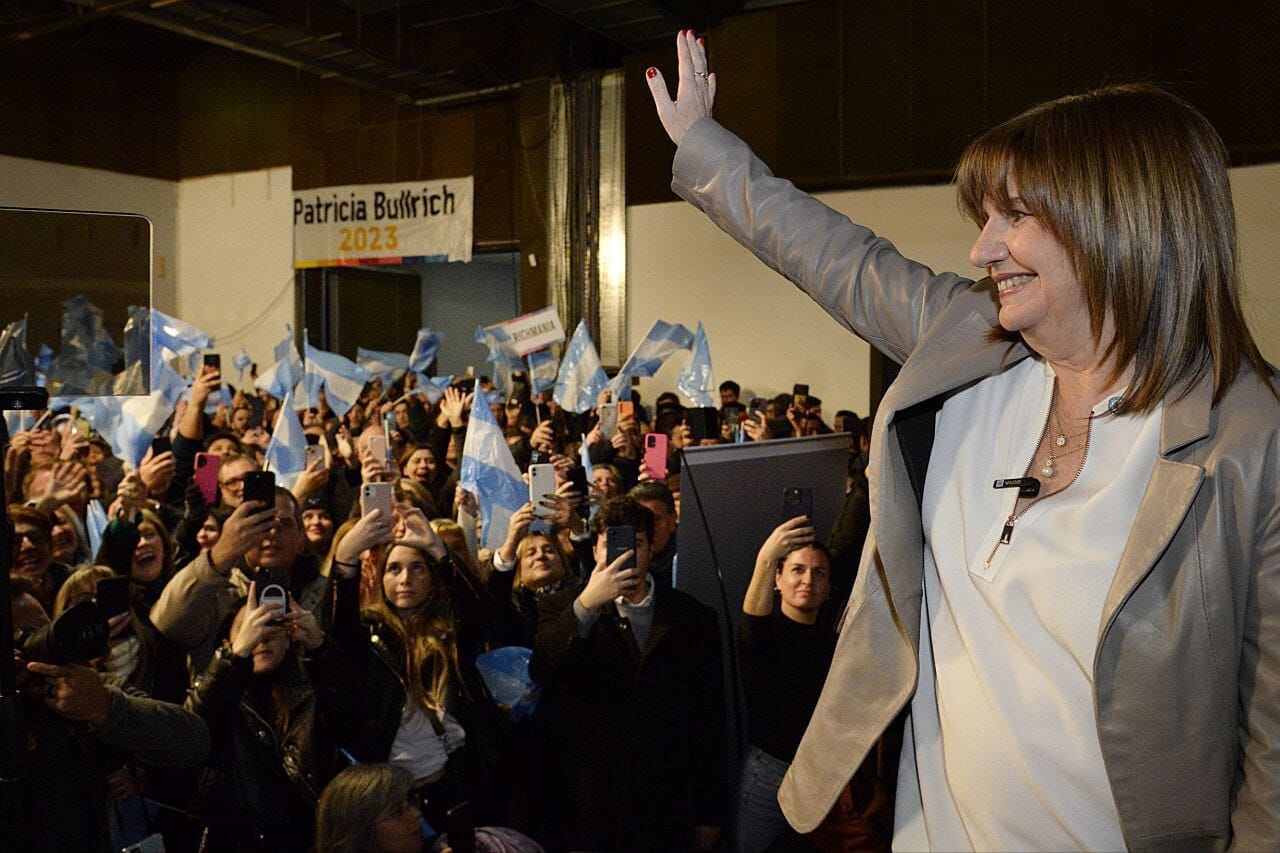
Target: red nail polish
column 651, row 73
column 702, row 42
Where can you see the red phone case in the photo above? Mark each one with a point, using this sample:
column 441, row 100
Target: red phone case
column 655, row 458
column 206, row 476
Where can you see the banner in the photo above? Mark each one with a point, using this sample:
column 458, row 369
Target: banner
column 528, row 332
column 411, row 222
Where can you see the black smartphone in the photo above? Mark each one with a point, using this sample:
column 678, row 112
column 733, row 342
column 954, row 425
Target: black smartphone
column 577, row 477
column 160, row 444
column 520, row 388
column 732, row 413
column 797, row 501
column 618, row 540
column 119, row 541
column 112, row 595
column 260, row 486
column 466, row 384
column 311, row 438
column 800, row 396
column 212, row 359
column 704, row 422
column 461, row 828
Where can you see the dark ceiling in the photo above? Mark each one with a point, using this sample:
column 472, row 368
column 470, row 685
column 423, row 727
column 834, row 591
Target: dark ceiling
column 421, row 52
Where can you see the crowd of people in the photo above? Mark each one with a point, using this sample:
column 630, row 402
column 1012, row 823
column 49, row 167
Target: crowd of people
column 289, row 669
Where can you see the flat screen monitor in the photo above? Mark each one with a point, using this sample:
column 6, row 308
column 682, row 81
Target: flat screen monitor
column 68, row 282
column 731, row 499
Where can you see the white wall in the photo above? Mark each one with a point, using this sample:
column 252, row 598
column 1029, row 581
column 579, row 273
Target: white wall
column 36, row 183
column 767, row 335
column 235, row 260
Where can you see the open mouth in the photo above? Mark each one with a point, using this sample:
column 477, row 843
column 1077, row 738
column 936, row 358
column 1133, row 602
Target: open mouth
column 1012, row 284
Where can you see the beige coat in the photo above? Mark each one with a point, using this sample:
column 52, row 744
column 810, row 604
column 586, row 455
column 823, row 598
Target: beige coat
column 1187, row 672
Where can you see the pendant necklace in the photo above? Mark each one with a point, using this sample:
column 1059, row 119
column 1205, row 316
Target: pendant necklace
column 1048, row 469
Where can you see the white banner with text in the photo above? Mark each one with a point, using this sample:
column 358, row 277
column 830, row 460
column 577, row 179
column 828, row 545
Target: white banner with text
column 403, row 223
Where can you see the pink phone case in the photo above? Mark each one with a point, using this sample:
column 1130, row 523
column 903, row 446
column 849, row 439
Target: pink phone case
column 655, row 457
column 206, row 476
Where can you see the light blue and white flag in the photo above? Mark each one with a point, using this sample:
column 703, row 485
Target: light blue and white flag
column 241, row 362
column 433, row 386
column 590, row 471
column 280, row 378
column 44, row 358
column 490, row 473
column 696, row 381
column 287, row 450
column 582, row 377
column 425, row 349
column 504, row 362
column 178, row 337
column 657, row 346
column 387, row 366
column 95, row 523
column 542, row 370
column 128, row 424
column 342, row 378
column 87, row 354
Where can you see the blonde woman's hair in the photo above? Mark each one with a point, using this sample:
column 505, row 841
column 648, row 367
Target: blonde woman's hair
column 83, row 579
column 1132, row 181
column 526, row 544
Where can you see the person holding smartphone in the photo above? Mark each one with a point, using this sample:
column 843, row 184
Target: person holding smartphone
column 632, row 711
column 783, row 653
column 275, row 696
column 425, row 707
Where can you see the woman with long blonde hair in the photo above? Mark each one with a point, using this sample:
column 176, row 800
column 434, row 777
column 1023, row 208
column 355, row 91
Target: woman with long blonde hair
column 427, row 709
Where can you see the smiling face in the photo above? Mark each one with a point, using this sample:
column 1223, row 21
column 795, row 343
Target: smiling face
column 33, row 551
column 148, row 557
column 64, row 541
column 539, row 562
column 406, row 581
column 421, row 467
column 1040, row 295
column 318, row 525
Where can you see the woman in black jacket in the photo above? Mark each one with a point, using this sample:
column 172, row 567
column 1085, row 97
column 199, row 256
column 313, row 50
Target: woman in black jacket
column 425, row 707
column 271, row 714
column 526, row 567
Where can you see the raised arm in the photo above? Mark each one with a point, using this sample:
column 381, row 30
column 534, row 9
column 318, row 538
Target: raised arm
column 860, row 279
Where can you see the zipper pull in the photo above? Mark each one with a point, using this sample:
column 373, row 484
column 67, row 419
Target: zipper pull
column 1006, row 536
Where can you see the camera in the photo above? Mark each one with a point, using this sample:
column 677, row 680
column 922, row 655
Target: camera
column 77, row 636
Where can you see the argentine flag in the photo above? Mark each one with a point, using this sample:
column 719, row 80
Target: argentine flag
column 662, row 340
column 582, row 377
column 490, row 473
column 342, row 378
column 696, row 381
column 287, row 450
column 384, row 365
column 280, row 378
column 129, row 423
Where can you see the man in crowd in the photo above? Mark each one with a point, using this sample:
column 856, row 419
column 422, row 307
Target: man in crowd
column 657, row 498
column 257, row 542
column 632, row 704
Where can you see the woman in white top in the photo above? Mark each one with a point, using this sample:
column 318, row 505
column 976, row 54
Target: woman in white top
column 1072, row 581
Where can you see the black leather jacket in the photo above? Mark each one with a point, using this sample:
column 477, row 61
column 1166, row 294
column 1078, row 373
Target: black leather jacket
column 261, row 783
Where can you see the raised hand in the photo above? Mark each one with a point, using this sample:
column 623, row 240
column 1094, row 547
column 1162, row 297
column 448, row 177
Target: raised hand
column 787, row 536
column 695, row 92
column 608, row 581
column 453, row 404
column 243, row 530
column 417, row 533
column 369, row 532
column 260, row 622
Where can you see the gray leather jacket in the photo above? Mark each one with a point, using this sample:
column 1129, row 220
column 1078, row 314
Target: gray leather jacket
column 1187, row 672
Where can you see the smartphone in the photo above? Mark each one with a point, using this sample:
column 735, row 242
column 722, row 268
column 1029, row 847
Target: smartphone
column 655, row 455
column 461, row 828
column 389, row 425
column 797, row 501
column 467, row 384
column 578, row 477
column 733, row 413
column 315, row 451
column 626, row 409
column 112, row 595
column 160, row 444
column 80, row 427
column 212, row 359
column 206, row 475
column 609, row 420
column 800, row 396
column 273, row 595
column 704, row 422
column 260, row 486
column 618, row 540
column 380, row 448
column 119, row 541
column 542, row 485
column 377, row 496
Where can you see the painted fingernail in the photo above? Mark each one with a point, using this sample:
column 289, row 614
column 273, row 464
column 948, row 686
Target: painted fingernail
column 702, row 42
column 651, row 73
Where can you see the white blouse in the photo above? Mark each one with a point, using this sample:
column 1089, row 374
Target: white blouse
column 1001, row 751
column 418, row 749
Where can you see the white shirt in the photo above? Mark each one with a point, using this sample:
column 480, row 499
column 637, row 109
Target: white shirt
column 1001, row 751
column 417, row 748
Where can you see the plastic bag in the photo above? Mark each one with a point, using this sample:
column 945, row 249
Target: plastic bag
column 506, row 673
